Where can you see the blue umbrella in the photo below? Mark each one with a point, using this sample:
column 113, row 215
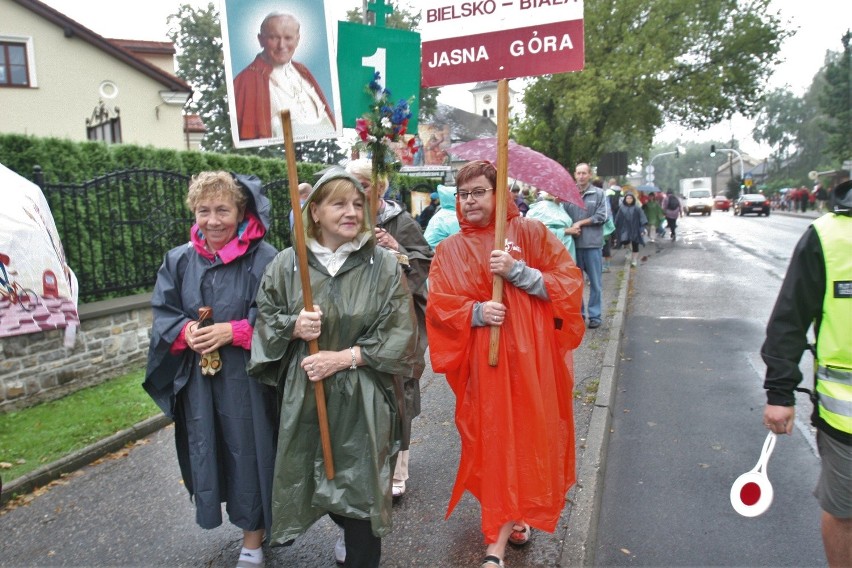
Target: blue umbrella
column 648, row 188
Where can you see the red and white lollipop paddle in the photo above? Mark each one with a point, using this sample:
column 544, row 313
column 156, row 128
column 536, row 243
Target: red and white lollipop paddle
column 751, row 493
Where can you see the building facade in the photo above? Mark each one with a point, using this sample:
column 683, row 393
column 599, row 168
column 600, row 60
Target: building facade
column 60, row 79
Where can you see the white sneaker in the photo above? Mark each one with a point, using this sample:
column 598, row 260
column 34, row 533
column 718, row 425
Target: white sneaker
column 250, row 559
column 340, row 549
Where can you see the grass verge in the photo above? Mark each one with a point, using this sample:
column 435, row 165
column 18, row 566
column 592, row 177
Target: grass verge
column 35, row 436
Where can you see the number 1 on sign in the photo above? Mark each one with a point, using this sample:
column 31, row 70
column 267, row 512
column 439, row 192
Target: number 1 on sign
column 377, row 61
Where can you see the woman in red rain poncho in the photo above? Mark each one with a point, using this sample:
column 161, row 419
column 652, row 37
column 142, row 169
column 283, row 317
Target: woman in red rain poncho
column 515, row 420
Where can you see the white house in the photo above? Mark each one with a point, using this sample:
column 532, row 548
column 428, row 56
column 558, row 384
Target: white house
column 61, row 79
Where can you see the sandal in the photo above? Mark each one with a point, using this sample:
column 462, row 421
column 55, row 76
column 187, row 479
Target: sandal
column 491, row 561
column 520, row 534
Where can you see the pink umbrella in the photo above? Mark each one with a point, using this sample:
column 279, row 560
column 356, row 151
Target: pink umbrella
column 526, row 165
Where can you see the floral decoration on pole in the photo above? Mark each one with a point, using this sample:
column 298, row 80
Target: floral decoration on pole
column 384, row 125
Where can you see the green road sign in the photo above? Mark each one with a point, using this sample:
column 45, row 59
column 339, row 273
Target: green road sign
column 363, row 50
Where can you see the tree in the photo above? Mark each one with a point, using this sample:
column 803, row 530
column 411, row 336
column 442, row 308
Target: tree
column 197, row 35
column 799, row 128
column 691, row 63
column 835, row 101
column 325, row 151
column 778, row 123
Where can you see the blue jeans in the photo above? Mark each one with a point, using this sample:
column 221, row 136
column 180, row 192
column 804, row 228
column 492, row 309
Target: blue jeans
column 589, row 260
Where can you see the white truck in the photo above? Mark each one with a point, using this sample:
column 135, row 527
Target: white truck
column 696, row 195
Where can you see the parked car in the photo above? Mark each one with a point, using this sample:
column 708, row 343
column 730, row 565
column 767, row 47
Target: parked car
column 752, row 203
column 721, row 203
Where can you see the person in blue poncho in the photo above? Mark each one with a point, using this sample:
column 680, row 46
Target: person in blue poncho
column 554, row 217
column 444, row 222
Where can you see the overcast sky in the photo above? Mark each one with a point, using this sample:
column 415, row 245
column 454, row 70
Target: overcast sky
column 819, row 24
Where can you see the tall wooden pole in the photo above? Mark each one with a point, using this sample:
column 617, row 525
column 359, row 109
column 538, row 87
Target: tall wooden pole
column 307, row 296
column 500, row 211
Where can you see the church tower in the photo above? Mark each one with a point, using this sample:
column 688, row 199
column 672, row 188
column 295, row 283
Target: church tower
column 485, row 99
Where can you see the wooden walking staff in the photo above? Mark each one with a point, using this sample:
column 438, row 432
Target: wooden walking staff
column 307, row 296
column 500, row 195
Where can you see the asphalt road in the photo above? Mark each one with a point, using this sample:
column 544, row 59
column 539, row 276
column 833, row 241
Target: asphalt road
column 131, row 509
column 688, row 410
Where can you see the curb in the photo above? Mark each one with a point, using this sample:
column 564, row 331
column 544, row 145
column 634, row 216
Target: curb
column 581, row 537
column 76, row 460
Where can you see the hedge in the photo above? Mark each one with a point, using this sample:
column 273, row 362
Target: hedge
column 75, row 162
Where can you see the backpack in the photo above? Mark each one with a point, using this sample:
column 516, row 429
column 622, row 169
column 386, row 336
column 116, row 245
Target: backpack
column 673, row 203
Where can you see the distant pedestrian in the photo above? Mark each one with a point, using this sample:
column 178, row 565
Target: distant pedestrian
column 587, row 231
column 444, row 222
column 304, row 191
column 398, row 232
column 671, row 209
column 804, row 197
column 520, row 201
column 225, row 420
column 429, row 210
column 613, row 196
column 630, row 224
column 821, row 196
column 817, row 290
column 656, row 216
column 554, row 217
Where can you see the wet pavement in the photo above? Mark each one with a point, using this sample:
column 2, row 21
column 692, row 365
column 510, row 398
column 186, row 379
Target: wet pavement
column 130, row 508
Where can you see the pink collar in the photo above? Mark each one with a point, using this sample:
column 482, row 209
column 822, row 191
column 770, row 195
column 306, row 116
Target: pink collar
column 250, row 230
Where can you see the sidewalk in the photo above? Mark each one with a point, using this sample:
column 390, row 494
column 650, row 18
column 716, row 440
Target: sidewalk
column 158, row 505
column 810, row 213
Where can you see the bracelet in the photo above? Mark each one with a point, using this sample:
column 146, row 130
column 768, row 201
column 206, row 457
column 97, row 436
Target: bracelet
column 352, row 352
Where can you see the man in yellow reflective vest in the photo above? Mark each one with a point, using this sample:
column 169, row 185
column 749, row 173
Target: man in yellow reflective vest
column 818, row 290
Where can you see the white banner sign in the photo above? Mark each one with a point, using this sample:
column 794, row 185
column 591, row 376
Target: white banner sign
column 499, row 39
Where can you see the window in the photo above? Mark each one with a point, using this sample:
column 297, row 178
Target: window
column 109, row 132
column 104, row 125
column 14, row 69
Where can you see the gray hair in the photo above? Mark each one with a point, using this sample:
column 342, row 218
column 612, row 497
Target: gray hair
column 278, row 14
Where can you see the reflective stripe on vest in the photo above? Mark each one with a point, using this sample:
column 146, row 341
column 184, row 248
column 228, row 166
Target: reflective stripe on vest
column 834, row 345
column 833, row 387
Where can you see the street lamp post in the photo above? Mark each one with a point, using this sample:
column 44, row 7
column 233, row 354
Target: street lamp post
column 649, row 169
column 714, row 149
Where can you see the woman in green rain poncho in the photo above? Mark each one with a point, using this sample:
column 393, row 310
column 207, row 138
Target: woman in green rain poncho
column 364, row 322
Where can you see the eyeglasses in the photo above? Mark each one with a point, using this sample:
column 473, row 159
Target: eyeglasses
column 477, row 193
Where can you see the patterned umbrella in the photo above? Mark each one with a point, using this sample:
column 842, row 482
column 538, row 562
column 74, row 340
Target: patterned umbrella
column 526, row 165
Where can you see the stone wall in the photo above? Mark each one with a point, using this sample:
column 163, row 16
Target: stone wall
column 112, row 340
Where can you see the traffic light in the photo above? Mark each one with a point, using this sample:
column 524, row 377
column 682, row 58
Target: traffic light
column 677, row 152
column 712, row 150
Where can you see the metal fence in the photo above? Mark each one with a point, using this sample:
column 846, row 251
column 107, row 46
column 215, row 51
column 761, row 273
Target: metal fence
column 116, row 228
